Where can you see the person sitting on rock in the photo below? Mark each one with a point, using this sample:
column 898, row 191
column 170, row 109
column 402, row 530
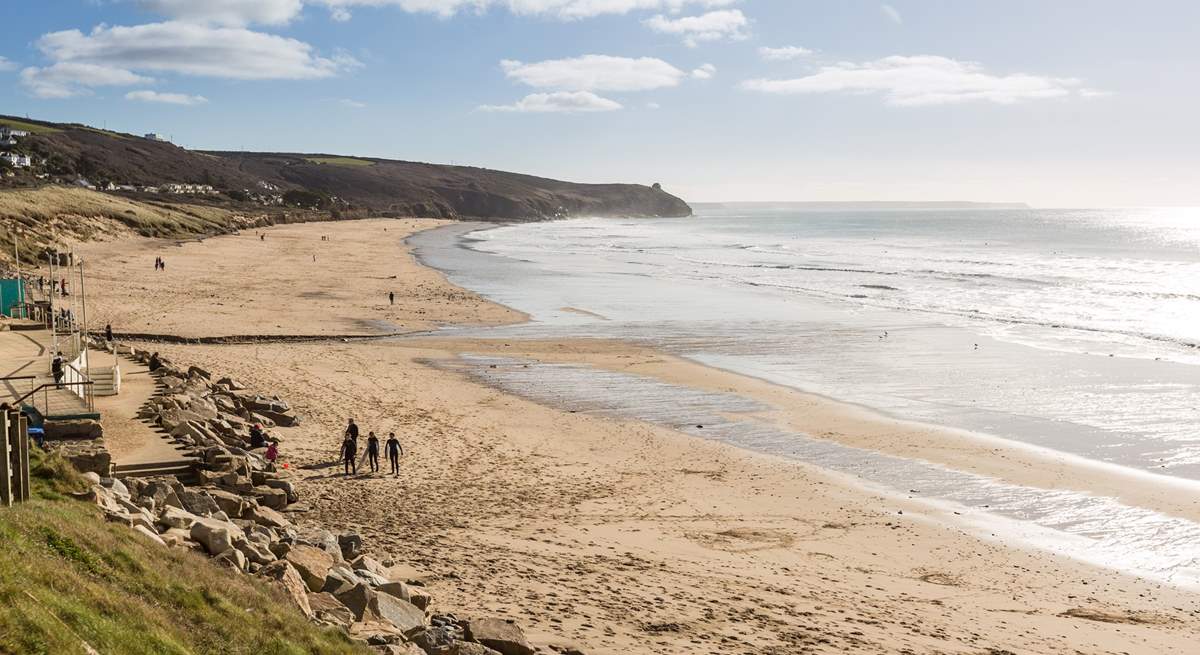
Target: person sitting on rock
column 349, row 454
column 373, row 451
column 272, row 452
column 258, row 438
column 155, row 362
column 394, row 451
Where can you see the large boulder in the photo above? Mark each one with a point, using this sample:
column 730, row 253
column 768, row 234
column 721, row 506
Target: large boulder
column 330, row 610
column 293, row 585
column 199, row 502
column 351, row 544
column 340, row 579
column 173, row 517
column 499, row 634
column 256, row 553
column 229, row 502
column 217, row 536
column 361, row 600
column 233, row 558
column 273, row 498
column 402, row 614
column 267, row 517
column 414, row 595
column 312, row 563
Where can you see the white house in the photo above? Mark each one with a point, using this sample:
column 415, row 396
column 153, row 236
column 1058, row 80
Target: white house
column 155, row 136
column 17, row 160
column 7, row 132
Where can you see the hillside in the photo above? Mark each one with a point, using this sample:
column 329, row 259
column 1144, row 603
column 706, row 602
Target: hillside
column 65, row 152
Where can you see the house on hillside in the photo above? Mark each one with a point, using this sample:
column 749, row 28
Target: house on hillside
column 17, row 160
column 155, row 136
column 9, row 133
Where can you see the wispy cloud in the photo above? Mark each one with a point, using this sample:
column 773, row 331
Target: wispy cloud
column 7, row 64
column 729, row 24
column 1094, row 93
column 166, row 98
column 704, row 72
column 892, row 14
column 785, row 53
column 69, row 79
column 558, row 102
column 921, row 81
column 352, row 104
column 561, row 9
column 595, row 73
column 226, row 12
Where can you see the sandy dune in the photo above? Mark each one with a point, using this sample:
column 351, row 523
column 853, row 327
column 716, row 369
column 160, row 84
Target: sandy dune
column 618, row 537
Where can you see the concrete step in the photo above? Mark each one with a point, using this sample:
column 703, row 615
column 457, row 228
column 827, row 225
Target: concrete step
column 185, row 470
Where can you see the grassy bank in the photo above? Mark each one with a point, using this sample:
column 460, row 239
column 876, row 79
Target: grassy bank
column 69, row 581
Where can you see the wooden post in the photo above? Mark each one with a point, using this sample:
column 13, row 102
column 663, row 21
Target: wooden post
column 6, row 498
column 21, row 426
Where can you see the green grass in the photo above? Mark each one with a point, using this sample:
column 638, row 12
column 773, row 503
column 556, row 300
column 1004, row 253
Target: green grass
column 28, row 127
column 339, row 161
column 68, row 578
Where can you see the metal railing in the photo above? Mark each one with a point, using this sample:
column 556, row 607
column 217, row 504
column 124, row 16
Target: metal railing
column 82, row 389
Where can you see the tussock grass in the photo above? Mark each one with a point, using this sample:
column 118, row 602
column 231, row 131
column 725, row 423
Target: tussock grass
column 69, row 581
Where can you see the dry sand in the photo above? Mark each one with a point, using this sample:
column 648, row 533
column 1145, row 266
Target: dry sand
column 618, row 537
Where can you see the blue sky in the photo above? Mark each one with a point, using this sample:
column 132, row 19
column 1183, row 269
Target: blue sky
column 1065, row 103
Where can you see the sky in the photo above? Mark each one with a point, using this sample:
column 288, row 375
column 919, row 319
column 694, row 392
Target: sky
column 1070, row 103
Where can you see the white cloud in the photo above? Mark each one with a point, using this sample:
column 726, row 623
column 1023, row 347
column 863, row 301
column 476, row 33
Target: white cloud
column 352, row 104
column 921, row 80
column 705, row 72
column 166, row 98
column 122, row 53
column 558, row 102
column 786, row 53
column 595, row 73
column 561, row 9
column 226, row 12
column 892, row 13
column 728, row 24
column 653, row 105
column 1094, row 93
column 7, row 64
column 69, row 79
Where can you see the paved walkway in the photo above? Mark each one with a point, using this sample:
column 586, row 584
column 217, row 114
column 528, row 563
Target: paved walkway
column 130, row 440
column 28, row 353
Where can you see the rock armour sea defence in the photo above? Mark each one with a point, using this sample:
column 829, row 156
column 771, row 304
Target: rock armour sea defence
column 238, row 513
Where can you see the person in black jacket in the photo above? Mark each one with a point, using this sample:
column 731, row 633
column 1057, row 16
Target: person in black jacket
column 394, row 451
column 373, row 451
column 350, row 455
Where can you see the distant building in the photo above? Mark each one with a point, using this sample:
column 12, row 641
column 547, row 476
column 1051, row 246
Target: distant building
column 155, row 136
column 17, row 160
column 7, row 132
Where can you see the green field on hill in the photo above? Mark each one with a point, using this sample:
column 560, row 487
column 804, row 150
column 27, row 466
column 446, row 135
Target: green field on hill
column 339, row 161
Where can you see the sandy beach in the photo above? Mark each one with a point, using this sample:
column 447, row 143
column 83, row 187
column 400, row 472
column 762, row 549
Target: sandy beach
column 619, row 536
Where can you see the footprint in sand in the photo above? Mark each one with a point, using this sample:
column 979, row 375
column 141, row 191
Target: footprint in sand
column 744, row 540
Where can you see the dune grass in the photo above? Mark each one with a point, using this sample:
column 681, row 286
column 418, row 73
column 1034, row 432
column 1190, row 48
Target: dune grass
column 339, row 161
column 69, row 581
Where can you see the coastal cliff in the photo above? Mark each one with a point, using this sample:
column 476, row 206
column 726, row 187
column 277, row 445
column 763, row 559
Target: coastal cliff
column 149, row 168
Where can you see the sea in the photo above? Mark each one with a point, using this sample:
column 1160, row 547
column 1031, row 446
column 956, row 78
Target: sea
column 1073, row 330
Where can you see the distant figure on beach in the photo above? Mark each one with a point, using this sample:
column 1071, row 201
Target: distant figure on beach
column 258, row 438
column 373, row 451
column 108, row 332
column 56, row 368
column 262, row 237
column 349, row 452
column 155, row 362
column 272, row 452
column 63, row 287
column 394, row 451
column 391, row 297
column 352, row 430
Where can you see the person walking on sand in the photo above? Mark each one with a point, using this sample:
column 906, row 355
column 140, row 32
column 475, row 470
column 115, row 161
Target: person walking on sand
column 349, row 454
column 394, row 451
column 352, row 430
column 373, row 451
column 108, row 333
column 391, row 297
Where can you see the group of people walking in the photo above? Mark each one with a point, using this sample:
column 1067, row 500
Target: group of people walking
column 349, row 451
column 160, row 264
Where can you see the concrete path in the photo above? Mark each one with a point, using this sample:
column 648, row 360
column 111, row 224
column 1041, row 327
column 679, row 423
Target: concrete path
column 134, row 443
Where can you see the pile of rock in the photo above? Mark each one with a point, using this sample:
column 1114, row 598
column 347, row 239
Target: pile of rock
column 328, row 577
column 236, row 515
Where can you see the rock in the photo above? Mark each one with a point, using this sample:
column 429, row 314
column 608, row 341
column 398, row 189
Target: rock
column 230, row 503
column 173, row 517
column 330, row 610
column 198, row 502
column 267, row 517
column 232, row 558
column 272, row 498
column 288, row 578
column 178, row 537
column 399, row 649
column 196, row 371
column 361, row 600
column 469, row 648
column 92, row 478
column 256, row 553
column 287, row 487
column 217, row 536
column 281, row 419
column 324, row 540
column 434, row 639
column 371, row 578
column 116, row 486
column 350, row 544
column 312, row 563
column 80, row 430
column 368, row 563
column 499, row 634
column 376, row 633
column 402, row 614
column 149, row 534
column 339, row 580
column 231, row 384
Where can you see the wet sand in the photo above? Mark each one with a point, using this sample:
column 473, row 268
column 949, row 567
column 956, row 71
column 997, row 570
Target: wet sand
column 619, row 536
